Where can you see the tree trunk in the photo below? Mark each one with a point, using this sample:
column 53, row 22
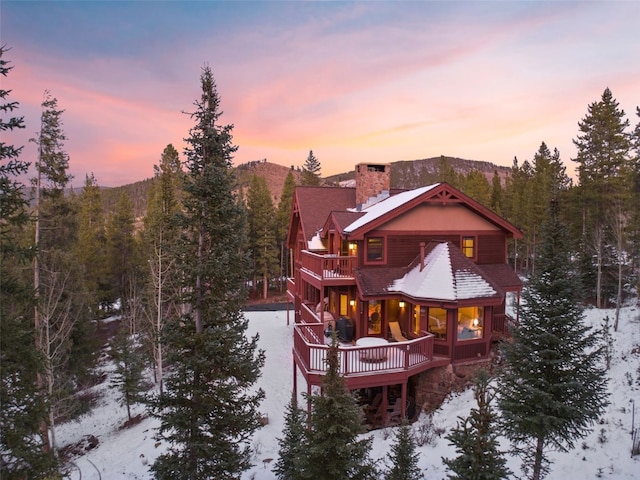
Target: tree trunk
column 159, row 319
column 265, row 285
column 599, row 245
column 537, row 462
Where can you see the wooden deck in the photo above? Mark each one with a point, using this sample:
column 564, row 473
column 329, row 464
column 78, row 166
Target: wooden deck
column 361, row 367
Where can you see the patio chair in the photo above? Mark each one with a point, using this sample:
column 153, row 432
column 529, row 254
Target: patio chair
column 396, row 333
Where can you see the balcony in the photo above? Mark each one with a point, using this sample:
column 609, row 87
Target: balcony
column 327, row 267
column 361, row 366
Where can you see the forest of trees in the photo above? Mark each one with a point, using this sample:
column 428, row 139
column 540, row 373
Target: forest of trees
column 180, row 276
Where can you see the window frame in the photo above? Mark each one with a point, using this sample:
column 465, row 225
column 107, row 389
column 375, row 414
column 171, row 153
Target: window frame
column 382, row 257
column 474, row 246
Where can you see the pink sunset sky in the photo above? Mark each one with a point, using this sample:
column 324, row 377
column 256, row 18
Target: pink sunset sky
column 352, row 81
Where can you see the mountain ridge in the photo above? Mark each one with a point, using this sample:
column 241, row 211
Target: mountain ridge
column 405, row 174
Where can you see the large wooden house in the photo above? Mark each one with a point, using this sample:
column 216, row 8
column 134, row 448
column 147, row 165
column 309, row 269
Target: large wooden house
column 409, row 280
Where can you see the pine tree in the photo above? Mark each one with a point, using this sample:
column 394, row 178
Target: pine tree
column 60, row 318
column 283, row 213
column 292, row 444
column 23, row 411
column 209, row 409
column 446, row 173
column 476, row 185
column 264, row 251
column 549, row 181
column 603, row 171
column 496, row 193
column 553, row 385
column 634, row 223
column 160, row 235
column 476, row 439
column 311, row 171
column 334, row 451
column 517, row 198
column 402, row 460
column 128, row 377
column 122, row 251
column 90, row 250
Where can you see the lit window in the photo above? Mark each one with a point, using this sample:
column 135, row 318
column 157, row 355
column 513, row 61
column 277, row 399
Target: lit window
column 375, row 249
column 468, row 247
column 470, row 322
column 374, row 317
column 438, row 322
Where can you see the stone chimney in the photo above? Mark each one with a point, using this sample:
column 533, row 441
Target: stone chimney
column 372, row 180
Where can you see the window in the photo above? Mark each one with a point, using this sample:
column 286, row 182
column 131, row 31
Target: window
column 469, row 247
column 375, row 249
column 438, row 322
column 415, row 320
column 470, row 323
column 343, row 304
column 374, row 317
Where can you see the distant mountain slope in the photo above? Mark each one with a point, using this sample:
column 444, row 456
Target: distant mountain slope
column 404, row 174
column 273, row 173
column 417, row 173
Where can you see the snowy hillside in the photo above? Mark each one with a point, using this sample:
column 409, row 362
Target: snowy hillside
column 126, row 453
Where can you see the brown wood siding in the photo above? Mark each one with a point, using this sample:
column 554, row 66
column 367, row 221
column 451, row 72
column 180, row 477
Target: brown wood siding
column 403, row 249
column 491, row 249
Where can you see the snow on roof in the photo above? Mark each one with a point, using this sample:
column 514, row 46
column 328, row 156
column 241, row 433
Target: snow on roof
column 438, row 279
column 316, row 242
column 379, row 209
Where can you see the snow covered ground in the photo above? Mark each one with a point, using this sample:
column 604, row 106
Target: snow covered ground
column 127, row 453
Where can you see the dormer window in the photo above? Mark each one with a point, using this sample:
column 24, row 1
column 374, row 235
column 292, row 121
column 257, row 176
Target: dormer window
column 375, row 249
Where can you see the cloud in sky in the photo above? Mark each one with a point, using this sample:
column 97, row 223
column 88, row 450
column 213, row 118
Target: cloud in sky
column 354, row 81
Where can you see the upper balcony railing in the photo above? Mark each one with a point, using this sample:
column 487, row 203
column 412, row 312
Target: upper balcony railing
column 328, row 266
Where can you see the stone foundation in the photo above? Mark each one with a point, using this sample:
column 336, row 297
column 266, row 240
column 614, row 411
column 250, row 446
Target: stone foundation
column 433, row 386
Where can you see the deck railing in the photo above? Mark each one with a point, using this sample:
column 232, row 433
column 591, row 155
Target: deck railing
column 328, row 266
column 311, row 350
column 502, row 323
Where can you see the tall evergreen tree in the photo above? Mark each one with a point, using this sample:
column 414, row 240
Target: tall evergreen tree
column 633, row 207
column 311, row 171
column 292, row 444
column 603, row 148
column 446, row 173
column 128, row 377
column 90, row 250
column 476, row 185
column 517, row 195
column 262, row 234
column 403, row 458
column 61, row 320
column 122, row 251
column 160, row 234
column 476, row 439
column 549, row 181
column 333, row 449
column 553, row 385
column 24, row 452
column 209, row 409
column 496, row 200
column 283, row 213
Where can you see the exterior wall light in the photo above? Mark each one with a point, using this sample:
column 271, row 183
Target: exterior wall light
column 401, row 304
